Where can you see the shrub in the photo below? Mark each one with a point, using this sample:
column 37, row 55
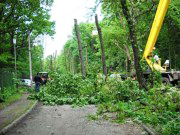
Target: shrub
column 5, row 93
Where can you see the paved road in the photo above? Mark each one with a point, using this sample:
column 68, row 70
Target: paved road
column 65, row 120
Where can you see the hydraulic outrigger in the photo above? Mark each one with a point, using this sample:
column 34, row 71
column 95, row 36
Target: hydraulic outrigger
column 168, row 76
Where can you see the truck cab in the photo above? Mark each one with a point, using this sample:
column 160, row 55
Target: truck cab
column 44, row 77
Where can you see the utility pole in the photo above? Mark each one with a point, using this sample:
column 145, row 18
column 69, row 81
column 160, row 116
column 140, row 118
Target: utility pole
column 87, row 58
column 80, row 48
column 15, row 59
column 15, row 65
column 103, row 58
column 55, row 60
column 30, row 60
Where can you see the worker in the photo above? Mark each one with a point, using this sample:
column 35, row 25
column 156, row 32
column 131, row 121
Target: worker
column 156, row 58
column 37, row 80
column 154, row 55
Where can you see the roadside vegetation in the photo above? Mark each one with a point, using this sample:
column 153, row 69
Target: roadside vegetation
column 10, row 95
column 158, row 107
column 18, row 21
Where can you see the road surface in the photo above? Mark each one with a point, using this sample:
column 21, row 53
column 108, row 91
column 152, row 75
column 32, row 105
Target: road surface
column 65, row 120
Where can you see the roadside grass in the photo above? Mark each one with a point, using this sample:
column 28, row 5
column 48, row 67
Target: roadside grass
column 93, row 117
column 12, row 96
column 10, row 100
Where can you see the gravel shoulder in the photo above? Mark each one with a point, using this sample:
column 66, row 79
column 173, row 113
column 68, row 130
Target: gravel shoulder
column 65, row 120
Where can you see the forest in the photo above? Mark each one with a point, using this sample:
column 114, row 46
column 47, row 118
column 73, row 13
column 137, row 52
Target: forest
column 101, row 62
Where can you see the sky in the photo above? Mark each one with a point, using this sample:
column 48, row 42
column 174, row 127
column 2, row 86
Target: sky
column 63, row 13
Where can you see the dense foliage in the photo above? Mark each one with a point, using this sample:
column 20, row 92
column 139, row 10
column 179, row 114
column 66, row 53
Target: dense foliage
column 6, row 93
column 18, row 20
column 68, row 89
column 159, row 107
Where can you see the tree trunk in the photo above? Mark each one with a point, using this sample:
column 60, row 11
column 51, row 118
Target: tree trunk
column 65, row 60
column 80, row 48
column 55, row 60
column 102, row 47
column 86, row 59
column 51, row 63
column 133, row 40
column 72, row 64
column 69, row 59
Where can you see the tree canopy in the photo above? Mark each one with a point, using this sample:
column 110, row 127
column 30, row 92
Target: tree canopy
column 18, row 20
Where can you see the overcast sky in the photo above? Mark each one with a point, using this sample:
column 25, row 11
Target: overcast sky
column 64, row 12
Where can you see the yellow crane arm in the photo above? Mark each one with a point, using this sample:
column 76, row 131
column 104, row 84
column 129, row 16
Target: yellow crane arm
column 158, row 20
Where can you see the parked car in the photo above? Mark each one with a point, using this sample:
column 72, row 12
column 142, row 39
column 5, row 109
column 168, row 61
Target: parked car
column 118, row 76
column 26, row 82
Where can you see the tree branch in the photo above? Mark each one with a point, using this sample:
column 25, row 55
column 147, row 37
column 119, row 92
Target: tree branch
column 11, row 12
column 146, row 11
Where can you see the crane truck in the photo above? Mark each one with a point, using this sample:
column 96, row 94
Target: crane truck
column 168, row 76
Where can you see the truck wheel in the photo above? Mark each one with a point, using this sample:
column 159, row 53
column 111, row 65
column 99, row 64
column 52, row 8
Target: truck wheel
column 175, row 83
column 165, row 80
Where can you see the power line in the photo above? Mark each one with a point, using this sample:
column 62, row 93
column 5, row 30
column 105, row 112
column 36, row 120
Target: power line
column 80, row 6
column 73, row 11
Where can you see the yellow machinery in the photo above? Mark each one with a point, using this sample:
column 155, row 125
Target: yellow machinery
column 172, row 76
column 158, row 20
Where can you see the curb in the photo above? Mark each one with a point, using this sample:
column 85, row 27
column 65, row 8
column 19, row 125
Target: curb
column 16, row 121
